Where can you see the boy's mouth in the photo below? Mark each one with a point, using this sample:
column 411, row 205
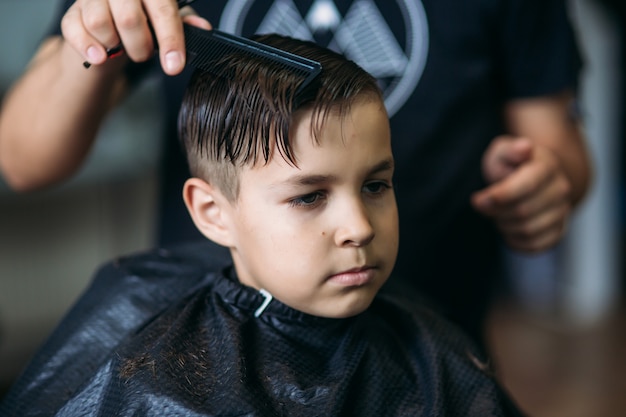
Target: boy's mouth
column 354, row 277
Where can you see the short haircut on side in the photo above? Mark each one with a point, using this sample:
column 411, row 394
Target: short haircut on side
column 244, row 114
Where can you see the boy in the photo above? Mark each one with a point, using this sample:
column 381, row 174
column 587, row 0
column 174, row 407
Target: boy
column 300, row 192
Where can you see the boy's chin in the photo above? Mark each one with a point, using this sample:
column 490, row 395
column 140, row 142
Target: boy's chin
column 349, row 309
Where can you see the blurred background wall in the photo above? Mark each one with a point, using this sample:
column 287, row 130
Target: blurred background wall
column 592, row 268
column 52, row 241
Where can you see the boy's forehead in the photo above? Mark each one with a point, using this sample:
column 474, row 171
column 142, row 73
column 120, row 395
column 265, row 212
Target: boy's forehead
column 314, row 133
column 312, row 128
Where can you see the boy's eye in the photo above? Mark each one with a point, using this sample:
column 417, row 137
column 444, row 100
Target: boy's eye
column 376, row 187
column 307, row 200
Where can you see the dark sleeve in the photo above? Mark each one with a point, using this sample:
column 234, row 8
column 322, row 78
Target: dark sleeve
column 135, row 72
column 536, row 48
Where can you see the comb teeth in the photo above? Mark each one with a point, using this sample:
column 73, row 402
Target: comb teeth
column 207, row 48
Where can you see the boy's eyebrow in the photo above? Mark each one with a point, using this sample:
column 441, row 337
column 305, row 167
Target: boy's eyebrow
column 385, row 165
column 309, row 179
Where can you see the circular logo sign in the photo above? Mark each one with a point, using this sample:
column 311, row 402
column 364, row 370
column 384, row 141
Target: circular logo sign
column 389, row 39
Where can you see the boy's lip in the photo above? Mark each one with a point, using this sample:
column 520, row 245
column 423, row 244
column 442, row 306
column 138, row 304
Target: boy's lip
column 356, row 276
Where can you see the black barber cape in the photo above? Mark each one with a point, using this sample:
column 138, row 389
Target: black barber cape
column 158, row 334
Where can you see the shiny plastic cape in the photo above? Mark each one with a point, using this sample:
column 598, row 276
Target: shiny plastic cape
column 162, row 334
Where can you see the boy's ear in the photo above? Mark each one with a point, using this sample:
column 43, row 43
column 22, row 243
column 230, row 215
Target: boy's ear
column 209, row 210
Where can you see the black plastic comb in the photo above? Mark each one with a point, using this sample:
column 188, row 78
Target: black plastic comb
column 206, row 48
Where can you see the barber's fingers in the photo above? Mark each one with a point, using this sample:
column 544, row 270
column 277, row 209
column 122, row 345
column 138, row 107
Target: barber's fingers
column 539, row 232
column 97, row 19
column 92, row 26
column 519, row 185
column 528, row 216
column 168, row 30
column 541, row 179
column 132, row 25
column 523, row 196
column 504, row 155
column 535, row 222
column 90, row 43
column 190, row 17
column 551, row 214
column 531, row 220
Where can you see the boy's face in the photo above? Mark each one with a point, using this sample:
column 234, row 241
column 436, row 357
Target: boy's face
column 322, row 237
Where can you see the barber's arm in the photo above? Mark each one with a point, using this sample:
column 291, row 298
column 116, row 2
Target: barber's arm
column 51, row 116
column 537, row 175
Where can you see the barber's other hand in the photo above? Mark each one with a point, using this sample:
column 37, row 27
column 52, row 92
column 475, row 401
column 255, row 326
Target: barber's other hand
column 92, row 26
column 528, row 196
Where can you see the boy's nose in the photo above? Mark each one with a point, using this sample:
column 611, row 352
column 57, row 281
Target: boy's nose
column 354, row 228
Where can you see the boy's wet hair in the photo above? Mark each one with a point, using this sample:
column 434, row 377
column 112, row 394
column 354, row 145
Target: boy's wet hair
column 244, row 115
